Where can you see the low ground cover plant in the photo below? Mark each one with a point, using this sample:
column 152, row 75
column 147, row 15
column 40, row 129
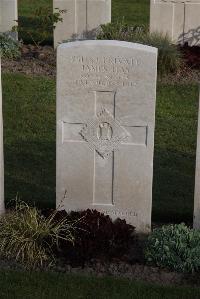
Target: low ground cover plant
column 176, row 247
column 30, row 238
column 169, row 58
column 9, row 48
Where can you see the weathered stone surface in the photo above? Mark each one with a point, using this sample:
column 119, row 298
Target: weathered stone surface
column 106, row 93
column 2, row 207
column 177, row 18
column 196, row 222
column 8, row 16
column 81, row 19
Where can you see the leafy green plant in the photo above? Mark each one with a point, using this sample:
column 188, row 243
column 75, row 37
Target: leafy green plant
column 169, row 57
column 29, row 237
column 40, row 26
column 175, row 247
column 9, row 48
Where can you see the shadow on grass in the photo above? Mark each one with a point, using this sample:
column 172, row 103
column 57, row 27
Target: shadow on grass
column 30, row 172
column 31, row 168
column 173, row 188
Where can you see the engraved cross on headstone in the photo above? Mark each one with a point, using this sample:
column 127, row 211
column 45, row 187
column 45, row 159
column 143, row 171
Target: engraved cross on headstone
column 104, row 135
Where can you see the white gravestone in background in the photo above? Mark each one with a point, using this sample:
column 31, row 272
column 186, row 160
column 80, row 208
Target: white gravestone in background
column 8, row 16
column 81, row 18
column 106, row 94
column 196, row 222
column 180, row 19
column 2, row 207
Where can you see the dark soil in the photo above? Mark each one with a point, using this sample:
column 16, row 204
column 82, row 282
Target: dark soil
column 41, row 61
column 136, row 272
column 33, row 61
column 191, row 56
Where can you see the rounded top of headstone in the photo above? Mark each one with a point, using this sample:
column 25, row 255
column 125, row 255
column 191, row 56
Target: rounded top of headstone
column 104, row 43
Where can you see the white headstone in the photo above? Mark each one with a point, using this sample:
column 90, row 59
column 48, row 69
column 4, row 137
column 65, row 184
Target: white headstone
column 2, row 207
column 8, row 16
column 196, row 222
column 106, row 94
column 180, row 19
column 81, row 19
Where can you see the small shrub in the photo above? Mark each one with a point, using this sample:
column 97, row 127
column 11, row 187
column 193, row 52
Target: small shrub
column 29, row 238
column 9, row 48
column 97, row 236
column 120, row 31
column 175, row 247
column 169, row 57
column 39, row 27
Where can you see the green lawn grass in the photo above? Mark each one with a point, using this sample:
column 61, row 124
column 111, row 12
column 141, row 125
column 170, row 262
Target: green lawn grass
column 27, row 7
column 133, row 11
column 57, row 286
column 29, row 139
column 29, row 133
column 175, row 152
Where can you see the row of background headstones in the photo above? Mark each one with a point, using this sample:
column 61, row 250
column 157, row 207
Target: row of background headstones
column 80, row 19
column 178, row 18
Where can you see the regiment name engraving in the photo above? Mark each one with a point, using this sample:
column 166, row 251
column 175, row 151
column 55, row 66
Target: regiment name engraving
column 103, row 71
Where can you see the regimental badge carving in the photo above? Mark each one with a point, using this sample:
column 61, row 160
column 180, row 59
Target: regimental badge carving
column 104, row 133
